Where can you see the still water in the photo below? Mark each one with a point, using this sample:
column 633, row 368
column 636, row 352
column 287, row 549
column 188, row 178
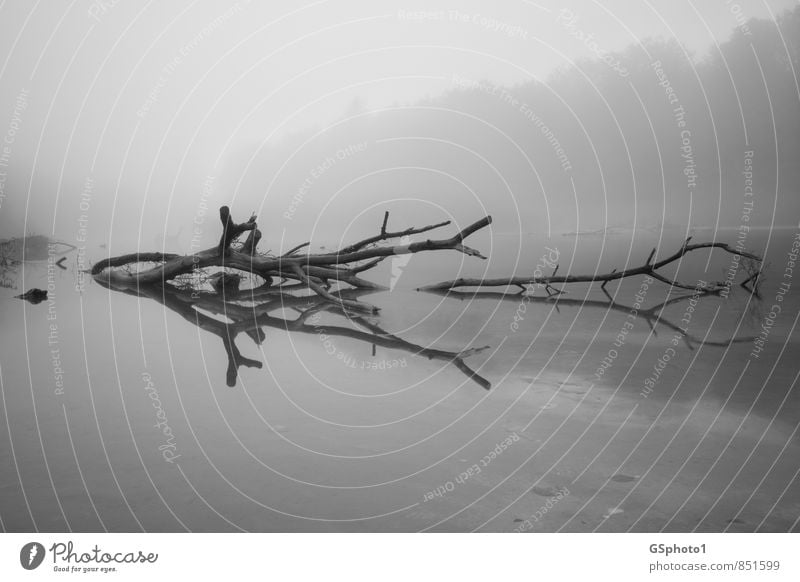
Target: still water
column 655, row 411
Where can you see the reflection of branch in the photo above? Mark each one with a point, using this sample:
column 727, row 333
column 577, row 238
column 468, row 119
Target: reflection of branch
column 653, row 316
column 252, row 311
column 235, row 357
column 456, row 357
column 649, row 268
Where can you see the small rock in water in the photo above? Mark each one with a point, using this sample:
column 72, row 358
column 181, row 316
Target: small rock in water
column 33, row 295
column 622, row 478
column 518, row 520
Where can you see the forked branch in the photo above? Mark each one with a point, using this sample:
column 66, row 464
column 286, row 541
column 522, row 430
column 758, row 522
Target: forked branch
column 649, row 268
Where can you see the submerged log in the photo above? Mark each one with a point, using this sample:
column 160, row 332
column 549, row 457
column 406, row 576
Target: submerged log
column 33, row 295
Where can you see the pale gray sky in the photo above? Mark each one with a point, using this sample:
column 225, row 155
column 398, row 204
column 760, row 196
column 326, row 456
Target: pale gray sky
column 267, row 59
column 149, row 98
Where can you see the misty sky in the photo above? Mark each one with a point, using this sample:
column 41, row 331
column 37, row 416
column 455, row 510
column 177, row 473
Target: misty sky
column 143, row 111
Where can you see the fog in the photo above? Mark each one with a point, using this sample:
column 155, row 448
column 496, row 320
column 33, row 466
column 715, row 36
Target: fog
column 596, row 373
column 129, row 126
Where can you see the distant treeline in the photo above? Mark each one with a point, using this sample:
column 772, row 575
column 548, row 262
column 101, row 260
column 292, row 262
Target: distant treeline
column 653, row 133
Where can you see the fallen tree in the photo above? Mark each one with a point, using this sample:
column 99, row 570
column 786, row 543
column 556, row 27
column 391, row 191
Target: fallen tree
column 315, row 271
column 189, row 285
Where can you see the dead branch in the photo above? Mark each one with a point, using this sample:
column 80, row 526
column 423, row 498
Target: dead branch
column 249, row 246
column 315, row 271
column 130, row 259
column 649, row 268
column 169, row 283
column 322, row 292
column 231, row 230
column 389, row 235
column 295, row 249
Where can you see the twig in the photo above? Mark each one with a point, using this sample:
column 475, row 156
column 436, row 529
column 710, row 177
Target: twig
column 343, row 303
column 388, row 235
column 295, row 249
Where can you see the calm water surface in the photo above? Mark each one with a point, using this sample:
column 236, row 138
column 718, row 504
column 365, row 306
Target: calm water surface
column 117, row 414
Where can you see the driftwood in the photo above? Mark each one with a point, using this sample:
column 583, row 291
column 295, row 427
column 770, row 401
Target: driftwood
column 650, row 268
column 185, row 284
column 318, row 271
column 314, row 271
column 189, row 285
